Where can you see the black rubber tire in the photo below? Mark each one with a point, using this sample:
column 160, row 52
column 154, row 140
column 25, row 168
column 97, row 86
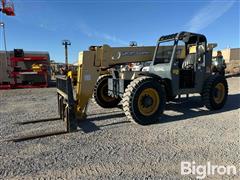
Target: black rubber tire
column 131, row 95
column 222, row 72
column 101, row 82
column 208, row 92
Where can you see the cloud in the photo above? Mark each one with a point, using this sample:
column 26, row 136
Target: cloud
column 46, row 26
column 91, row 33
column 208, row 14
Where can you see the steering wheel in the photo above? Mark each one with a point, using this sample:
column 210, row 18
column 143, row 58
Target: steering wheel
column 189, row 66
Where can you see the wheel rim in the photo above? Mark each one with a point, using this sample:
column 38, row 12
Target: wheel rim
column 104, row 95
column 148, row 101
column 219, row 93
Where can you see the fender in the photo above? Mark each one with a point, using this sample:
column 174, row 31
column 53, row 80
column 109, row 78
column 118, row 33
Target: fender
column 151, row 75
column 165, row 82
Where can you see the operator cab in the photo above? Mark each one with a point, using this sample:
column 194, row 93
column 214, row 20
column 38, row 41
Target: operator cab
column 180, row 58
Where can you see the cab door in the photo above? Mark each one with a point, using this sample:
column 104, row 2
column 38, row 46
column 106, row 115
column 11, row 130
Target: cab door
column 200, row 65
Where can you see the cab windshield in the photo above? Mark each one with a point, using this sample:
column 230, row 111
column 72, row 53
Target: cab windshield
column 164, row 52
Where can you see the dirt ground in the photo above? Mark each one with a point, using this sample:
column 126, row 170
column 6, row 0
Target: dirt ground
column 108, row 146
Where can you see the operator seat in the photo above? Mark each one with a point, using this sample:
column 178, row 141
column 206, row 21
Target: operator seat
column 189, row 61
column 187, row 75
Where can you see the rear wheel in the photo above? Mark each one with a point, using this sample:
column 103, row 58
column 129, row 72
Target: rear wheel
column 144, row 100
column 215, row 92
column 100, row 93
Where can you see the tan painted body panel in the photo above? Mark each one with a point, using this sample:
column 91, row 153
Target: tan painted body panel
column 120, row 55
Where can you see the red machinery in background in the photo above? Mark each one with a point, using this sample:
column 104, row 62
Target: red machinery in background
column 7, row 8
column 29, row 67
column 21, row 70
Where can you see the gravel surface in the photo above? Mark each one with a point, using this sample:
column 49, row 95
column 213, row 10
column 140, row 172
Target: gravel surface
column 108, row 146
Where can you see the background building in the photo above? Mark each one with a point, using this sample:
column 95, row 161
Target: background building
column 230, row 54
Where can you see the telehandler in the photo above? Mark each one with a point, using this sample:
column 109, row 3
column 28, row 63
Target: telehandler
column 180, row 64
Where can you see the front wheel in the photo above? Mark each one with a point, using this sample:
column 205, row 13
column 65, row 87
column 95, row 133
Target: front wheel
column 144, row 100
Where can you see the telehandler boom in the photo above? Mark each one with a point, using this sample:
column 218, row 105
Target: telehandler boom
column 180, row 64
column 95, row 64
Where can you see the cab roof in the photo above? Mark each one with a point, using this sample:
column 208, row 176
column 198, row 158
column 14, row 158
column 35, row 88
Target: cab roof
column 187, row 37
